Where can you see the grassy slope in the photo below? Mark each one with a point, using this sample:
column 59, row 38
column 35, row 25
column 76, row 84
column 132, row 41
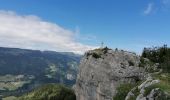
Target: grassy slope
column 50, row 92
column 164, row 81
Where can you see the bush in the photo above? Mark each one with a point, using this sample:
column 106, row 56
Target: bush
column 105, row 50
column 131, row 63
column 95, row 55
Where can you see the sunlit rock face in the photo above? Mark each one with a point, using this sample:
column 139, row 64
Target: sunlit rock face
column 102, row 70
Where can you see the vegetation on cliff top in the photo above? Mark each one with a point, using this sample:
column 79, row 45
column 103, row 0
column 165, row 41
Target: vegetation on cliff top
column 98, row 52
column 160, row 55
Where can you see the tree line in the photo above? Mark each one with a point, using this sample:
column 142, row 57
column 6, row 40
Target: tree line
column 160, row 55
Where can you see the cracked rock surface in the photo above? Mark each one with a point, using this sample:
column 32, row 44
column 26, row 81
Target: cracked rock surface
column 102, row 70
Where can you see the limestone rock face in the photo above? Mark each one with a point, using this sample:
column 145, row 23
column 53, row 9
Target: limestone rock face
column 102, row 70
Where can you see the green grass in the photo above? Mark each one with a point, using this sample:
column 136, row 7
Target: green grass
column 163, row 85
column 164, row 81
column 122, row 91
column 149, row 89
column 136, row 92
column 50, row 92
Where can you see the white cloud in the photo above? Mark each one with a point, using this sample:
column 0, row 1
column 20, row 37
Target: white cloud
column 31, row 32
column 149, row 9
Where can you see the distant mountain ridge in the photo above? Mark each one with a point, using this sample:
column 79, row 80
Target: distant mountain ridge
column 43, row 66
column 15, row 54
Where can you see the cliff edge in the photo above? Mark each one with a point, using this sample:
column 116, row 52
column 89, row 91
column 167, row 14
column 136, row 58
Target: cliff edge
column 102, row 70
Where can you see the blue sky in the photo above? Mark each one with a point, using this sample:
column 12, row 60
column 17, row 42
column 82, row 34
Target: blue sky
column 126, row 24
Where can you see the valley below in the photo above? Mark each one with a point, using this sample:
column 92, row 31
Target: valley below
column 23, row 70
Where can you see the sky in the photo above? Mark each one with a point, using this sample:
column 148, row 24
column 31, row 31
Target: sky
column 81, row 25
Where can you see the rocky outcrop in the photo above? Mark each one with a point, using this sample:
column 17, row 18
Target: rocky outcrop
column 142, row 90
column 157, row 94
column 102, row 70
column 147, row 91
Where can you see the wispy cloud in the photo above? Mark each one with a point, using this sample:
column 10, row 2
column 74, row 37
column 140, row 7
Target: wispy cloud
column 31, row 32
column 166, row 2
column 157, row 6
column 149, row 9
column 165, row 5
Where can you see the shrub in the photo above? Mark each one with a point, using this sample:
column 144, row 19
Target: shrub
column 105, row 50
column 131, row 63
column 122, row 91
column 95, row 55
